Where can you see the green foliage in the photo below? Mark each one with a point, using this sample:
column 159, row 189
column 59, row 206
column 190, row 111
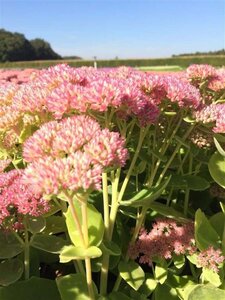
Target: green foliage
column 10, row 271
column 205, row 234
column 34, row 288
column 217, row 168
column 43, row 50
column 48, row 243
column 206, row 292
column 10, row 245
column 146, row 196
column 72, row 287
column 183, row 62
column 132, row 273
column 70, row 252
column 15, row 47
column 95, row 225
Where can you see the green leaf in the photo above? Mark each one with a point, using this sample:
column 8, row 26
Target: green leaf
column 95, row 225
column 73, row 286
column 161, row 273
column 193, row 258
column 34, row 288
column 206, row 292
column 179, row 261
column 205, row 234
column 132, row 273
column 182, row 284
column 217, row 168
column 110, row 248
column 149, row 285
column 192, row 182
column 10, row 271
column 48, row 243
column 165, row 292
column 218, row 223
column 146, row 196
column 10, row 245
column 55, row 224
column 168, row 212
column 196, row 183
column 70, row 252
column 36, row 224
column 218, row 147
column 211, row 277
column 177, row 181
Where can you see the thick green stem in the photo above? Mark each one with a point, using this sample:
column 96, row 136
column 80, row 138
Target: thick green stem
column 83, row 235
column 86, row 244
column 114, row 205
column 105, row 203
column 75, row 216
column 77, row 263
column 115, row 176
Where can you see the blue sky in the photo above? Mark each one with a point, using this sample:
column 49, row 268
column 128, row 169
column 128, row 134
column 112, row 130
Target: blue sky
column 123, row 28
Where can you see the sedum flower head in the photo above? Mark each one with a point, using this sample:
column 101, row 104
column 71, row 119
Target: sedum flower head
column 200, row 72
column 71, row 154
column 166, row 238
column 211, row 258
column 18, row 199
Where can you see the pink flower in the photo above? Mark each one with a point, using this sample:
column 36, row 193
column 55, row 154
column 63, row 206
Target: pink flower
column 166, row 238
column 18, row 198
column 71, row 154
column 183, row 93
column 108, row 149
column 7, row 91
column 200, row 72
column 58, row 139
column 76, row 173
column 214, row 113
column 217, row 83
column 211, row 258
column 31, row 97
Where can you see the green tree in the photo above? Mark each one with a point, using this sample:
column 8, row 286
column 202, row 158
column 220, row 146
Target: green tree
column 43, row 50
column 15, row 47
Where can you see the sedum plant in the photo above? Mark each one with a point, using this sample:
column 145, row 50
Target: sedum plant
column 112, row 184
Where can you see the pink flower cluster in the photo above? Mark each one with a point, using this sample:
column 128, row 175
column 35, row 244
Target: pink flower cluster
column 16, row 199
column 213, row 113
column 60, row 91
column 217, row 83
column 214, row 78
column 71, row 154
column 200, row 72
column 211, row 258
column 165, row 239
column 16, row 76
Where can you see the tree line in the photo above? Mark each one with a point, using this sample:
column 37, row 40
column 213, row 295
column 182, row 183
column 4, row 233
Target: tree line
column 218, row 52
column 15, row 47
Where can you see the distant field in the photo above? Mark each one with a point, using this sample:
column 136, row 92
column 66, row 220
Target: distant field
column 182, row 62
column 161, row 68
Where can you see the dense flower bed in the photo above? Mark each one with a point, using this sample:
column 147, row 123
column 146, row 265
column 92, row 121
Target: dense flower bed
column 112, row 182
